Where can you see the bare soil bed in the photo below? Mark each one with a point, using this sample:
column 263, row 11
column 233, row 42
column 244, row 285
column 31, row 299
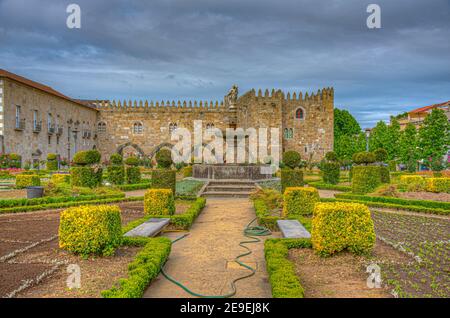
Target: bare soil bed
column 445, row 197
column 13, row 194
column 30, row 257
column 342, row 275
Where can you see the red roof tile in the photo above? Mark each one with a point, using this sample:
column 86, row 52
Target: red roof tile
column 47, row 89
column 424, row 109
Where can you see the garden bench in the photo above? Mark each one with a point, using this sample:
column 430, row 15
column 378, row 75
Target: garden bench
column 292, row 229
column 149, row 228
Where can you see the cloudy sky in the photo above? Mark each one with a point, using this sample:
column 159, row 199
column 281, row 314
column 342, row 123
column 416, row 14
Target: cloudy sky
column 196, row 49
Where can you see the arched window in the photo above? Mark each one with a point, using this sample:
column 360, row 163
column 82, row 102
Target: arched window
column 300, row 113
column 291, row 133
column 101, row 127
column 286, row 133
column 172, row 127
column 209, row 127
column 138, row 128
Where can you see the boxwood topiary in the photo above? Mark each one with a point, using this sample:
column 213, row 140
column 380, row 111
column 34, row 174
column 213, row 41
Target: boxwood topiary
column 132, row 161
column 30, row 180
column 87, row 157
column 116, row 174
column 365, row 179
column 116, row 159
column 380, row 155
column 364, row 157
column 384, row 174
column 86, row 176
column 52, row 162
column 133, row 174
column 164, row 158
column 299, row 201
column 291, row 178
column 331, row 172
column 164, row 179
column 292, row 159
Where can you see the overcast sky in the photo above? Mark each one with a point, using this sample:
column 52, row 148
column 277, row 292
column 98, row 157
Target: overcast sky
column 197, row 49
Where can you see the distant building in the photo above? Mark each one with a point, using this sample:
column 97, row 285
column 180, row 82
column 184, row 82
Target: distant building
column 418, row 115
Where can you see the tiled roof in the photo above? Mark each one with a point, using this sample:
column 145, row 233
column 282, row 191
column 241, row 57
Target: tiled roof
column 47, row 89
column 424, row 109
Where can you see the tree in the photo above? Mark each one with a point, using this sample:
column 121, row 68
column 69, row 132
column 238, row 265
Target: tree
column 393, row 136
column 348, row 137
column 407, row 147
column 379, row 136
column 434, row 137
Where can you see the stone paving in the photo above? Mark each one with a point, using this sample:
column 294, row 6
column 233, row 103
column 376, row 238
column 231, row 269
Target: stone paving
column 204, row 260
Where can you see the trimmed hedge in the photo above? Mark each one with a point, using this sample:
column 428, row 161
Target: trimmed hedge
column 291, row 178
column 187, row 172
column 89, row 177
column 116, row 174
column 413, row 183
column 164, row 179
column 385, row 176
column 90, row 230
column 52, row 165
column 138, row 186
column 282, row 276
column 365, row 179
column 438, row 185
column 326, row 186
column 331, row 172
column 159, row 202
column 178, row 221
column 133, row 174
column 164, row 158
column 299, row 201
column 342, row 226
column 31, row 180
column 58, row 178
column 88, row 157
column 144, row 268
column 292, row 159
column 399, row 201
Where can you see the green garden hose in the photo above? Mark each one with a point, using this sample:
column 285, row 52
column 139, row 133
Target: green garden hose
column 251, row 232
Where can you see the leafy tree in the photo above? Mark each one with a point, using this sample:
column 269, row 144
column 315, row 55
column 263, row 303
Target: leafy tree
column 407, row 147
column 379, row 136
column 393, row 136
column 348, row 137
column 434, row 137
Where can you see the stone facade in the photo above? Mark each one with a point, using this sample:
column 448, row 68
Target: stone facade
column 38, row 120
column 311, row 134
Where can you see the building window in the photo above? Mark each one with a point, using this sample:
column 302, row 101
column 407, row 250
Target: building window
column 172, row 127
column 288, row 133
column 18, row 111
column 35, row 120
column 49, row 122
column 101, row 127
column 138, row 128
column 209, row 127
column 300, row 113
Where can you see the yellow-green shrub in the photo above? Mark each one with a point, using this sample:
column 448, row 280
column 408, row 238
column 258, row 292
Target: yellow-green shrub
column 90, row 230
column 30, row 180
column 365, row 179
column 159, row 202
column 339, row 226
column 438, row 185
column 60, row 178
column 187, row 171
column 412, row 183
column 299, row 201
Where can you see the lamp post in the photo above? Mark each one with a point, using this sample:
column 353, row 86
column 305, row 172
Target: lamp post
column 69, row 123
column 367, row 138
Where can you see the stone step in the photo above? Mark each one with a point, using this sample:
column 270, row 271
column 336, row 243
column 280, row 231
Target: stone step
column 239, row 194
column 231, row 183
column 232, row 188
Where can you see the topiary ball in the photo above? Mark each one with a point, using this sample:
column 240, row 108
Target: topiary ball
column 380, row 155
column 331, row 156
column 292, row 159
column 116, row 159
column 132, row 161
column 52, row 156
column 164, row 158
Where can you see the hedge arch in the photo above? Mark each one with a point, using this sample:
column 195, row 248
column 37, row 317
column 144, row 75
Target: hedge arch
column 136, row 147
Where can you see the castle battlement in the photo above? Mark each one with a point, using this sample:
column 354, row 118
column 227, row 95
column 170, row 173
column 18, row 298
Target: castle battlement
column 159, row 106
column 324, row 94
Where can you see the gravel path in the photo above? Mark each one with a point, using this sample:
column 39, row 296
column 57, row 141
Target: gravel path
column 204, row 260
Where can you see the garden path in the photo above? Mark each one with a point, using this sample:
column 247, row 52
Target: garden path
column 203, row 261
